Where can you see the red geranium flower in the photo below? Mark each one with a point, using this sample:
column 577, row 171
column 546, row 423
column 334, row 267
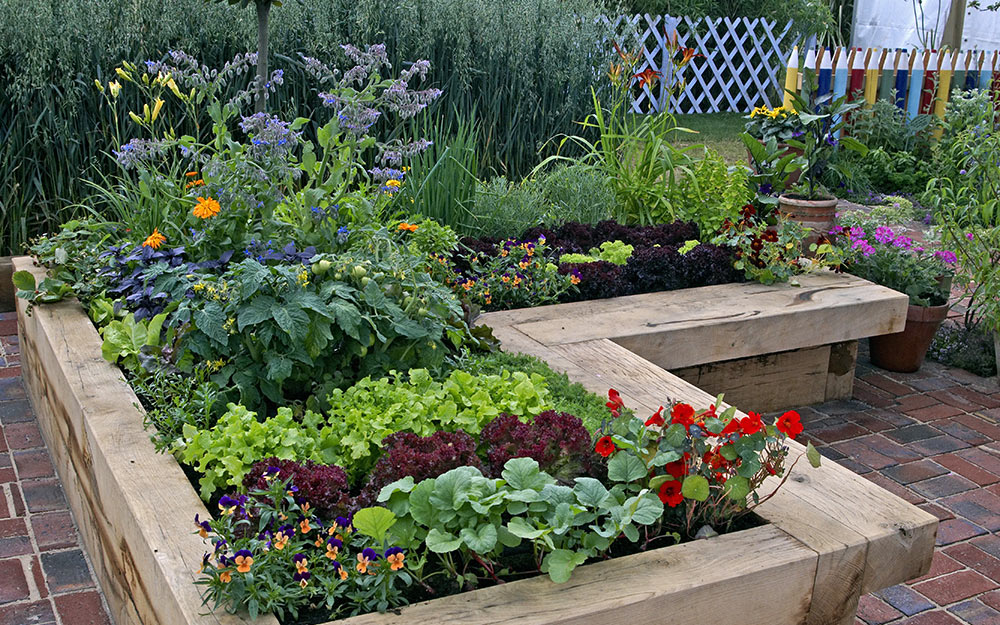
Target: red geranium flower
column 605, row 446
column 790, row 424
column 656, row 419
column 683, row 414
column 670, row 493
column 615, row 402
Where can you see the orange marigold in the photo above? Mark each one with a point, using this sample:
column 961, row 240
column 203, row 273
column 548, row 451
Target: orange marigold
column 154, row 240
column 207, row 207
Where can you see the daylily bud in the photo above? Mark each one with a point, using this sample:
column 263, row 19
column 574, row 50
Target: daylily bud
column 115, row 88
column 134, row 117
column 99, row 86
column 156, row 108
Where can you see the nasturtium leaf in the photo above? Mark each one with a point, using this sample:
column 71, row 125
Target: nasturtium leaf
column 482, row 539
column 737, row 488
column 626, row 467
column 590, row 492
column 559, row 564
column 813, row 455
column 373, row 522
column 665, row 457
column 714, row 425
column 517, row 507
column 695, row 487
column 728, row 452
column 675, row 435
column 557, row 493
column 442, row 542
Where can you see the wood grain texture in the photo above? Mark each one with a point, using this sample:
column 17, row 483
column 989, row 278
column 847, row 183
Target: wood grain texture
column 689, row 327
column 865, row 537
column 840, row 372
column 134, row 507
column 768, row 383
column 6, row 285
column 722, row 580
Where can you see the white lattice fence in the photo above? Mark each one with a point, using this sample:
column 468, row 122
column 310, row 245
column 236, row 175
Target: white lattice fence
column 741, row 69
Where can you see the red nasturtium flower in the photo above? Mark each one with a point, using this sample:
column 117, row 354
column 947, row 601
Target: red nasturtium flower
column 683, row 414
column 670, row 493
column 615, row 402
column 656, row 419
column 790, row 424
column 605, row 446
column 678, row 468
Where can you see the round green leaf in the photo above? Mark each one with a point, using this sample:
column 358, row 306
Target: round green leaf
column 374, row 522
column 626, row 467
column 695, row 487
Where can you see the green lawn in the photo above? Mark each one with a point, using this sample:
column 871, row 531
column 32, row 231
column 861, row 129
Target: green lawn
column 719, row 131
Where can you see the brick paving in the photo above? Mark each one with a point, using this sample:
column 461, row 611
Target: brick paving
column 931, row 437
column 45, row 575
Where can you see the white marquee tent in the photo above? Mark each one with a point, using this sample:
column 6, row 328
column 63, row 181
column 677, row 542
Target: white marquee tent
column 921, row 23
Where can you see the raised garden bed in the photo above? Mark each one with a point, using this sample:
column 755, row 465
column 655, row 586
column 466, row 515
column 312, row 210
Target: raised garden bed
column 830, row 537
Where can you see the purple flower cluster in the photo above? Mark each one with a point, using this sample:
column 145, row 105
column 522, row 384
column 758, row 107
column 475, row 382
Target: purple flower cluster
column 269, row 136
column 139, row 152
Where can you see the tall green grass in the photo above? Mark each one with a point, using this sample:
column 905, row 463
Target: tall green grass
column 525, row 67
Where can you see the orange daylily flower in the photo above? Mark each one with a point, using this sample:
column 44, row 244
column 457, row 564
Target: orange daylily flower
column 647, row 77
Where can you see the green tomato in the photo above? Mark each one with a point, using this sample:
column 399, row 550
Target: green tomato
column 359, row 272
column 322, row 267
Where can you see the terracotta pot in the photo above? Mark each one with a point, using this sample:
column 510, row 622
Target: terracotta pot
column 904, row 351
column 816, row 214
column 793, row 178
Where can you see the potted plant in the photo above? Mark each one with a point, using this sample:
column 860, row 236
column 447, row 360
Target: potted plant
column 894, row 260
column 773, row 128
column 773, row 168
column 810, row 203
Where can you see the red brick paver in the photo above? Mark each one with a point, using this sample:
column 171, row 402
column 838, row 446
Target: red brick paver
column 45, row 576
column 930, row 437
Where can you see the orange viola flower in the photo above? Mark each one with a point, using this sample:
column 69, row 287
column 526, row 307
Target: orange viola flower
column 280, row 540
column 647, row 77
column 394, row 556
column 207, row 207
column 154, row 240
column 363, row 563
column 243, row 560
column 225, row 577
column 304, row 526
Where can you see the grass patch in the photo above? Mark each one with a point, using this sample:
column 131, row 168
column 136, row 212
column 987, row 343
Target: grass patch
column 719, row 131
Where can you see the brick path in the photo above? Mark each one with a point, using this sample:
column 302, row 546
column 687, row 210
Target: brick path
column 931, row 437
column 45, row 576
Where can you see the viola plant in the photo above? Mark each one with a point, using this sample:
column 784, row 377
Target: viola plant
column 271, row 554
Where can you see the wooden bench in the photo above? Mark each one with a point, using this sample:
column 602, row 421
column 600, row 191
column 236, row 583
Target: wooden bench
column 766, row 347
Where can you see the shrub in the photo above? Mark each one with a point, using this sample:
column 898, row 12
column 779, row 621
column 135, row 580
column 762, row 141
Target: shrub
column 323, row 486
column 420, row 457
column 503, row 208
column 558, row 441
column 711, row 193
column 576, row 193
column 964, row 347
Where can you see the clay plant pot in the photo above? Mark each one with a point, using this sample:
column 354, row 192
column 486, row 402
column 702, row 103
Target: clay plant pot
column 793, row 178
column 818, row 214
column 904, row 351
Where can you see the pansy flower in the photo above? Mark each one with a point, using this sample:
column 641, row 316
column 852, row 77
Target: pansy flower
column 301, row 562
column 365, row 560
column 333, row 547
column 204, row 562
column 302, row 577
column 339, row 570
column 394, row 556
column 243, row 560
column 605, row 446
column 304, row 526
column 203, row 527
column 228, row 505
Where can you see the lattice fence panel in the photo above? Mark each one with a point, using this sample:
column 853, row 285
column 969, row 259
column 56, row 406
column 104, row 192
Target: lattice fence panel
column 741, row 68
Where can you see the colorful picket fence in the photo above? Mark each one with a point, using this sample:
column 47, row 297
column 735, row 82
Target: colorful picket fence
column 917, row 81
column 740, row 66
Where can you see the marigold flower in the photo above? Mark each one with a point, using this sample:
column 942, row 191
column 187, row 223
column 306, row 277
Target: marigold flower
column 154, row 240
column 790, row 424
column 194, row 183
column 670, row 493
column 206, row 207
column 408, row 227
column 243, row 560
column 605, row 446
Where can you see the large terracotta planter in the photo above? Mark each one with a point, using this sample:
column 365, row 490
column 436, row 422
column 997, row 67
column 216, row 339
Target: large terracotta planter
column 904, row 351
column 819, row 215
